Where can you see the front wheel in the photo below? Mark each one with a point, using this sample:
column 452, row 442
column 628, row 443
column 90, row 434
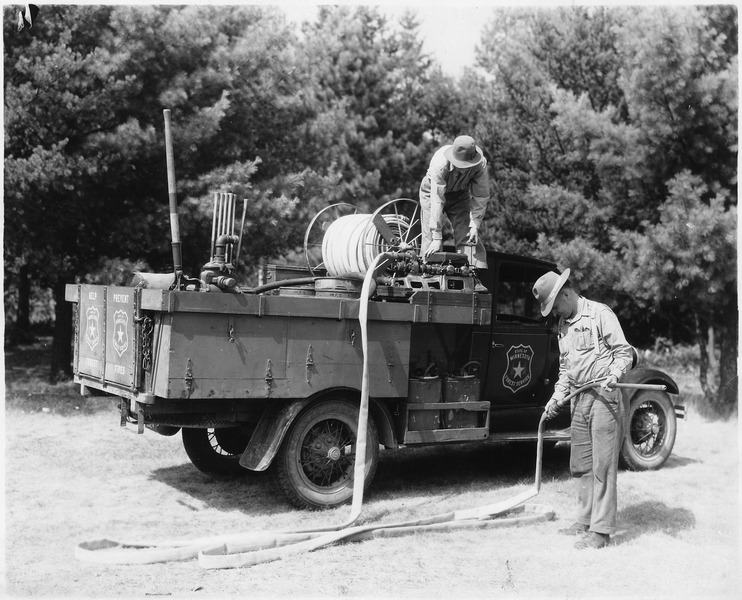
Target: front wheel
column 651, row 431
column 314, row 467
column 217, row 451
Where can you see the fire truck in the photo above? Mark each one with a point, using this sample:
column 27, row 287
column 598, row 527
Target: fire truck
column 269, row 377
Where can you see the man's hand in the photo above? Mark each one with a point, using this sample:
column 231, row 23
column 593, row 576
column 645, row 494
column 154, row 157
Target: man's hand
column 434, row 246
column 609, row 383
column 473, row 236
column 552, row 409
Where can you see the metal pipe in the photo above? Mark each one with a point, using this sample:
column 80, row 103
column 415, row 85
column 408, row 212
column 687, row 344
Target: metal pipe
column 242, row 231
column 277, row 284
column 222, row 214
column 230, row 225
column 213, row 225
column 173, row 198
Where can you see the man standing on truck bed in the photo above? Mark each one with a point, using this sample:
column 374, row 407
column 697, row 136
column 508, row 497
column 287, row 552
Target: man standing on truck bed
column 591, row 346
column 456, row 184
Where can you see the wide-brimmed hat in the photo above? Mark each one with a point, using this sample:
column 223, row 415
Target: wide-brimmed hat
column 547, row 287
column 464, row 152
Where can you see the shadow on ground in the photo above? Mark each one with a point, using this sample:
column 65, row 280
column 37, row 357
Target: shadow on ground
column 410, row 472
column 253, row 492
column 471, row 466
column 674, row 462
column 652, row 517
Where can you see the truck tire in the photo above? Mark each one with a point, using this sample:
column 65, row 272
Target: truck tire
column 217, row 451
column 314, row 466
column 651, row 431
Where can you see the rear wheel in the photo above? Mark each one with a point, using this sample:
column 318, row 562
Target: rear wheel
column 314, row 467
column 217, row 451
column 651, row 431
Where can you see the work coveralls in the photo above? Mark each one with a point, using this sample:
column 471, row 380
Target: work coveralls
column 597, row 415
column 462, row 194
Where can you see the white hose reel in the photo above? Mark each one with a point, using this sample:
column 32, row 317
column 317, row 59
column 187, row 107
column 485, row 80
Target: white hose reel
column 344, row 242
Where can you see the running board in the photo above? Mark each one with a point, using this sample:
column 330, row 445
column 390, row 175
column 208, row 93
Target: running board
column 551, row 435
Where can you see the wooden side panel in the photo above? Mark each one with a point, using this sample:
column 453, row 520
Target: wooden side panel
column 121, row 341
column 91, row 337
column 327, row 353
column 246, row 356
column 225, row 356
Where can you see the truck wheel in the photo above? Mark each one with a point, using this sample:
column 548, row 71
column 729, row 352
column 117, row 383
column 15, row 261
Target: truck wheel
column 651, row 431
column 217, row 451
column 314, row 467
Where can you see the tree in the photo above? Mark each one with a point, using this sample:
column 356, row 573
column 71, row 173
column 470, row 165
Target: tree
column 58, row 94
column 84, row 167
column 602, row 119
column 364, row 82
column 684, row 261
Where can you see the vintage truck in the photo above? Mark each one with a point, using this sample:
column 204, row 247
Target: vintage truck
column 270, row 376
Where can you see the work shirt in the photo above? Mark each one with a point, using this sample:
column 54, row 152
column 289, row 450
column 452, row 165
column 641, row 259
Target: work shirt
column 580, row 360
column 444, row 178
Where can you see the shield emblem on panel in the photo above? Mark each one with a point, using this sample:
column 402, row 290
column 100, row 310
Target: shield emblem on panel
column 120, row 336
column 92, row 327
column 518, row 371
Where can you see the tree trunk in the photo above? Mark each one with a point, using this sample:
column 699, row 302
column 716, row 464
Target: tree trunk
column 712, row 341
column 23, row 319
column 703, row 373
column 729, row 345
column 61, row 361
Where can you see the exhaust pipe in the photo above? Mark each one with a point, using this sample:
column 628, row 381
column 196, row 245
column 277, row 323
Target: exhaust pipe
column 173, row 198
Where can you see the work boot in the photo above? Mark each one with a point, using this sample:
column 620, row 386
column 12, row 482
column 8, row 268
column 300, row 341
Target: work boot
column 593, row 540
column 575, row 529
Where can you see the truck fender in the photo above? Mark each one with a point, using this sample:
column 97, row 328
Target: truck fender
column 646, row 375
column 269, row 433
column 384, row 423
column 277, row 418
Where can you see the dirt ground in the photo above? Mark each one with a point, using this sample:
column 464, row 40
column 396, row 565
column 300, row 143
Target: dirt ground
column 73, row 475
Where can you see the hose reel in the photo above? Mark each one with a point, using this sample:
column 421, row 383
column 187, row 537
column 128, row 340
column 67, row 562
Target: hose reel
column 341, row 242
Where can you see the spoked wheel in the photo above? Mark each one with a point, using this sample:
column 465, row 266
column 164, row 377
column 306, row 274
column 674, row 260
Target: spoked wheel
column 651, row 435
column 397, row 224
column 314, row 467
column 315, row 233
column 217, row 451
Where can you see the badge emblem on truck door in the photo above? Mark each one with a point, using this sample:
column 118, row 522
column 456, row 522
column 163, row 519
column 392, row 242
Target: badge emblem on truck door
column 120, row 337
column 518, row 372
column 92, row 330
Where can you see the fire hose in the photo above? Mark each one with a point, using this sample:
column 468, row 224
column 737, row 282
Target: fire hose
column 255, row 547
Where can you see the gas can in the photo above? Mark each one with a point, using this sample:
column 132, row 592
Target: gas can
column 424, row 390
column 460, row 389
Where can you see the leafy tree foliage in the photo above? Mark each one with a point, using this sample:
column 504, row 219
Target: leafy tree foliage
column 84, row 168
column 611, row 114
column 610, row 134
column 682, row 263
column 364, row 84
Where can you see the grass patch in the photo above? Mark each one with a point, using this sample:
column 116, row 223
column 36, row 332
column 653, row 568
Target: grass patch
column 28, row 387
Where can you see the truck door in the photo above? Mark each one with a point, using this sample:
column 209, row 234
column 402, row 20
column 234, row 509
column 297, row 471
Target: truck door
column 521, row 346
